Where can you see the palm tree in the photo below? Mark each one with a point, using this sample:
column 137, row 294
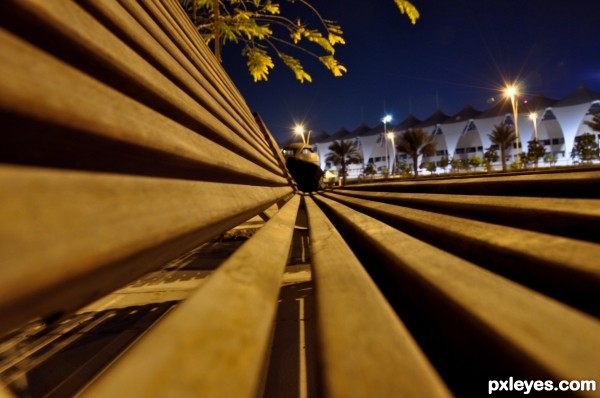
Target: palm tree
column 595, row 122
column 503, row 136
column 343, row 153
column 416, row 142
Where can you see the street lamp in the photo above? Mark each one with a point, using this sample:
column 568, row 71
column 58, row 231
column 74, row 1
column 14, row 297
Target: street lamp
column 385, row 120
column 512, row 92
column 391, row 136
column 533, row 117
column 299, row 129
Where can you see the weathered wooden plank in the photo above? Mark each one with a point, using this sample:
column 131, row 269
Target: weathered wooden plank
column 85, row 124
column 5, row 393
column 67, row 237
column 118, row 65
column 215, row 343
column 150, row 41
column 181, row 32
column 572, row 217
column 185, row 34
column 559, row 184
column 364, row 349
column 544, row 338
column 564, row 267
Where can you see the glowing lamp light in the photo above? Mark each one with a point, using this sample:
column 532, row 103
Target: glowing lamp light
column 511, row 91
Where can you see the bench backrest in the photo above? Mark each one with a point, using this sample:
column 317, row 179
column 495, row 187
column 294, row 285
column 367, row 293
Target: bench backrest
column 124, row 144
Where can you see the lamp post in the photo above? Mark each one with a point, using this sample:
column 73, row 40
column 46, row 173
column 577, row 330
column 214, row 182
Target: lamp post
column 533, row 117
column 392, row 136
column 511, row 92
column 385, row 120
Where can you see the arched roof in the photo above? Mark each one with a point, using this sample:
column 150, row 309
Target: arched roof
column 581, row 95
column 340, row 134
column 321, row 136
column 437, row 117
column 408, row 122
column 361, row 130
column 501, row 108
column 536, row 103
column 466, row 113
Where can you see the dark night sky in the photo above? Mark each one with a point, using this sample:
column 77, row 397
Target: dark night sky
column 458, row 53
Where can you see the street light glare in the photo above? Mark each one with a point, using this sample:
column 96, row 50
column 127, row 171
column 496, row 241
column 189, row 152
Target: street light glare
column 533, row 115
column 299, row 129
column 387, row 118
column 511, row 91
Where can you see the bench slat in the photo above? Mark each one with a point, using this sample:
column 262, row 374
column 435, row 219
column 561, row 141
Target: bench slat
column 564, row 267
column 577, row 218
column 215, row 343
column 544, row 337
column 569, row 184
column 119, row 66
column 85, row 234
column 184, row 35
column 104, row 129
column 178, row 70
column 364, row 349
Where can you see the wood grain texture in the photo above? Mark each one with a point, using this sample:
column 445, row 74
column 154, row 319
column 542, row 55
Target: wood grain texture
column 61, row 228
column 364, row 349
column 543, row 335
column 216, row 342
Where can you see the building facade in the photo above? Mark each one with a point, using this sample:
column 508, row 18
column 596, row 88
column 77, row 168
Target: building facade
column 557, row 123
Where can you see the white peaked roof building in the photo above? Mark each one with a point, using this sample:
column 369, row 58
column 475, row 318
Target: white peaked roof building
column 466, row 134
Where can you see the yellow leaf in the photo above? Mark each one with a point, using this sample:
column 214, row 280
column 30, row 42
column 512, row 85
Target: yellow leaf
column 334, row 39
column 259, row 63
column 410, row 10
column 296, row 67
column 272, row 8
column 333, row 65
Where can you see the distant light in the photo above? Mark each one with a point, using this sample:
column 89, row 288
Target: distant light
column 391, row 135
column 533, row 116
column 387, row 118
column 511, row 91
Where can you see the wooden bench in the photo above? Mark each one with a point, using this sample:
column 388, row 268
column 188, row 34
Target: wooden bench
column 126, row 145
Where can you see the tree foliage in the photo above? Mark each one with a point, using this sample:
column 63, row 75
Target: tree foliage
column 456, row 164
column 489, row 157
column 586, row 147
column 414, row 143
column 535, row 151
column 444, row 162
column 370, row 170
column 343, row 153
column 594, row 124
column 263, row 32
column 431, row 167
column 475, row 161
column 503, row 135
